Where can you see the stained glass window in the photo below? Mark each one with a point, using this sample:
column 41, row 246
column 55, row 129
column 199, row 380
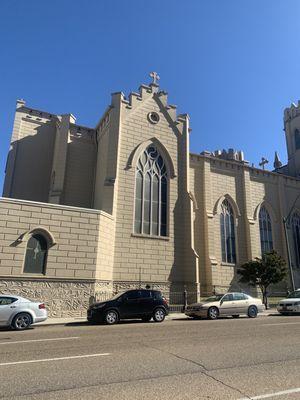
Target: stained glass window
column 265, row 229
column 151, row 188
column 36, row 255
column 297, row 139
column 227, row 233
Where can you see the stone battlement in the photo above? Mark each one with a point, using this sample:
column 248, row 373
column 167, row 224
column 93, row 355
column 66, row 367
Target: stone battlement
column 230, row 155
column 134, row 99
column 292, row 112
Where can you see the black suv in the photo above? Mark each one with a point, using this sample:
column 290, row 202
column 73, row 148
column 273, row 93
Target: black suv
column 140, row 303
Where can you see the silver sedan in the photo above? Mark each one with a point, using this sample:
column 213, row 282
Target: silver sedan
column 290, row 305
column 19, row 313
column 229, row 304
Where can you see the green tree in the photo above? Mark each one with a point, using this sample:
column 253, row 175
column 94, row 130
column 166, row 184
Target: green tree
column 262, row 272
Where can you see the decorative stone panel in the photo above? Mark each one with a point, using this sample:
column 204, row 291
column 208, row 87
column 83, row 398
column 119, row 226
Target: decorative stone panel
column 62, row 298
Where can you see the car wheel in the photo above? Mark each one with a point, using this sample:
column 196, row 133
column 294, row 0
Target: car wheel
column 252, row 312
column 146, row 319
column 235, row 316
column 212, row 313
column 21, row 321
column 111, row 317
column 159, row 315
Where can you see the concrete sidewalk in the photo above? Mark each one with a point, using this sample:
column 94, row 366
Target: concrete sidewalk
column 171, row 316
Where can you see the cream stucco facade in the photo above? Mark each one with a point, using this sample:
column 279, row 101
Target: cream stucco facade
column 76, row 186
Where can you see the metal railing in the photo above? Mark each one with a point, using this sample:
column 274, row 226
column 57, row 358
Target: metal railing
column 72, row 306
column 176, row 300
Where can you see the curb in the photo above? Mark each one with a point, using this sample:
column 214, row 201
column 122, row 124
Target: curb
column 171, row 317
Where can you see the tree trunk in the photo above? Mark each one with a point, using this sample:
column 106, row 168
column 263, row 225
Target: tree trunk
column 265, row 298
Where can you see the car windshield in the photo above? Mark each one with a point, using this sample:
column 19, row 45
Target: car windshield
column 294, row 295
column 213, row 298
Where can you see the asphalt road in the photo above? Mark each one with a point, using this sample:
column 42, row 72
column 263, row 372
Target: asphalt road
column 181, row 359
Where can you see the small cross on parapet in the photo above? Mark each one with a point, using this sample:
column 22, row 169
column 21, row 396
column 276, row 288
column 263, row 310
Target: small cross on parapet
column 155, row 77
column 263, row 162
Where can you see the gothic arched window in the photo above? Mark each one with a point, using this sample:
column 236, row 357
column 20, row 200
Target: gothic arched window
column 36, row 255
column 227, row 233
column 265, row 229
column 151, row 194
column 296, row 236
column 297, row 139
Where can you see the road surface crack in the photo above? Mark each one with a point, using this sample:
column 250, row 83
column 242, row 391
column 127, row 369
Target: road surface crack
column 204, row 371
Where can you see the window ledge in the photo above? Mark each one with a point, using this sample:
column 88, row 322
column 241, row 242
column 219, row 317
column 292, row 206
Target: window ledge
column 143, row 236
column 228, row 264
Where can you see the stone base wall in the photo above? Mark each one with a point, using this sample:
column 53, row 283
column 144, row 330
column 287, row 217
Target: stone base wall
column 71, row 298
column 62, row 298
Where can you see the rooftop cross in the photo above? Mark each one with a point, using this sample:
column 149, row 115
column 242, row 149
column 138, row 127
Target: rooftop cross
column 263, row 162
column 155, row 77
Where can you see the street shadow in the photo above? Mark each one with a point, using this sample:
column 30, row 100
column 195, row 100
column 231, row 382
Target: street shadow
column 122, row 322
column 284, row 315
column 78, row 323
column 9, row 329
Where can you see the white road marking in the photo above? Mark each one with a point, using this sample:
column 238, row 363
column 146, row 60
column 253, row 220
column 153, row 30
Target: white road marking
column 269, row 395
column 282, row 323
column 40, row 340
column 53, row 359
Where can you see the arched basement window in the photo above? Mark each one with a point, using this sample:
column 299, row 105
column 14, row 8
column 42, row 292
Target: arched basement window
column 151, row 188
column 265, row 229
column 36, row 255
column 296, row 236
column 297, row 139
column 227, row 233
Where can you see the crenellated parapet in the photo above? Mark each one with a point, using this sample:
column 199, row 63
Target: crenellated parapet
column 229, row 155
column 146, row 92
column 33, row 115
column 292, row 112
column 82, row 132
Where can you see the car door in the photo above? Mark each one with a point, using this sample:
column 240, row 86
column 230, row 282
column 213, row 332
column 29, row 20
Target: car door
column 129, row 307
column 241, row 303
column 227, row 305
column 7, row 308
column 146, row 302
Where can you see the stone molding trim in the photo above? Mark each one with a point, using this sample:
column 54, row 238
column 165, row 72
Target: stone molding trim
column 232, row 202
column 134, row 156
column 269, row 208
column 38, row 230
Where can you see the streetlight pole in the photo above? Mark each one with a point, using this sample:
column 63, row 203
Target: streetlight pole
column 286, row 221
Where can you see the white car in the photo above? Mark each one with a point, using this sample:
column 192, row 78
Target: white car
column 229, row 304
column 290, row 305
column 20, row 313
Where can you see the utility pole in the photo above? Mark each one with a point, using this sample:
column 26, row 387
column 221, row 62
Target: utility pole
column 286, row 222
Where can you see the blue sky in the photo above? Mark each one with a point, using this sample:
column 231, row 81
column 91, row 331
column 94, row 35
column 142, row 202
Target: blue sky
column 232, row 65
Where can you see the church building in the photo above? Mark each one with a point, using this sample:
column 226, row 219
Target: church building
column 125, row 204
